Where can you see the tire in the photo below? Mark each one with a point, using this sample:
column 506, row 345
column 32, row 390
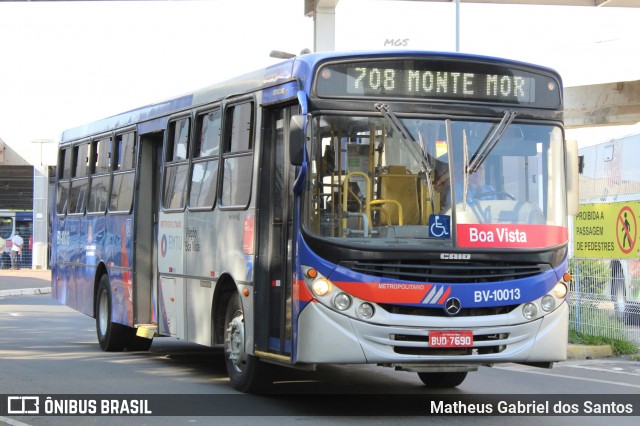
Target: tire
column 246, row 372
column 442, row 380
column 111, row 336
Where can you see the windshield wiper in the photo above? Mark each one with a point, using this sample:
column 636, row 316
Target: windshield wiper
column 413, row 145
column 397, row 125
column 490, row 142
column 393, row 119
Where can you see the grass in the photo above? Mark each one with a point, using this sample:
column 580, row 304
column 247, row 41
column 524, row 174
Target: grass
column 619, row 347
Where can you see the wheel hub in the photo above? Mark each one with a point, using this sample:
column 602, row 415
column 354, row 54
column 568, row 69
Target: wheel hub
column 103, row 314
column 234, row 343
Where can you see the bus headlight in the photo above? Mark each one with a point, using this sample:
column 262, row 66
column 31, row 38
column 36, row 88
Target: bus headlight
column 366, row 310
column 560, row 290
column 342, row 302
column 529, row 311
column 548, row 303
column 321, row 287
column 330, row 295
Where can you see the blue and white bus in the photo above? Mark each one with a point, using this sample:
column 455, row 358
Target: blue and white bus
column 402, row 208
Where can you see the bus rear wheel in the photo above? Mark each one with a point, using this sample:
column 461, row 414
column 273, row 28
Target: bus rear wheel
column 443, row 380
column 111, row 336
column 246, row 372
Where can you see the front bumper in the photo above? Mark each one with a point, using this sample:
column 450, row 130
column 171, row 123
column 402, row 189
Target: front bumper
column 326, row 336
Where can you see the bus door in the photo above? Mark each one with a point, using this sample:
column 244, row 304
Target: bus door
column 275, row 215
column 146, row 227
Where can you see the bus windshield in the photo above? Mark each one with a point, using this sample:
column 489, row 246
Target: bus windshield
column 415, row 181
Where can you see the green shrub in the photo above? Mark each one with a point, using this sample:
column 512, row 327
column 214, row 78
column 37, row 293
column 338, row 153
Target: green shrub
column 619, row 346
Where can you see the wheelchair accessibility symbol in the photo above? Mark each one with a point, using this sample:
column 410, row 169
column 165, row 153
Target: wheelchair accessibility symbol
column 439, row 226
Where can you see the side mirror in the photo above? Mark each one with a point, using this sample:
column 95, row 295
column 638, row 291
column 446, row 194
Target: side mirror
column 296, row 140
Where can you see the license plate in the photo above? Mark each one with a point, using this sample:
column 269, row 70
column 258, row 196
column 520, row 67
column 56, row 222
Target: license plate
column 451, row 339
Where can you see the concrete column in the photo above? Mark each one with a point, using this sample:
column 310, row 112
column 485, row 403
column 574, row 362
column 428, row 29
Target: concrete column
column 40, row 258
column 324, row 23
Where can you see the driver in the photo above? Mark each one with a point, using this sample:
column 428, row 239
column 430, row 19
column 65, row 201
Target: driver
column 478, row 186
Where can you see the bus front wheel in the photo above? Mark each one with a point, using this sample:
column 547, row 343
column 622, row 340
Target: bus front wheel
column 246, row 372
column 442, row 380
column 111, row 336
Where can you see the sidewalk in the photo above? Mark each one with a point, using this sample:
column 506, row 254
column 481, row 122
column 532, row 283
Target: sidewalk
column 24, row 282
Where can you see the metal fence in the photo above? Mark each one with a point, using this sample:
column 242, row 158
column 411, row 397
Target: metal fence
column 597, row 315
column 26, row 255
column 597, row 310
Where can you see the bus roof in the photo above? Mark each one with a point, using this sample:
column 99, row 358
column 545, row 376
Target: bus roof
column 300, row 68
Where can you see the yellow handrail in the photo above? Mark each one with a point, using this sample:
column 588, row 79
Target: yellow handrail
column 397, row 203
column 345, row 196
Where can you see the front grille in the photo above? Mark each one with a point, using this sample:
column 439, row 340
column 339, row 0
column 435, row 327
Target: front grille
column 439, row 312
column 446, row 272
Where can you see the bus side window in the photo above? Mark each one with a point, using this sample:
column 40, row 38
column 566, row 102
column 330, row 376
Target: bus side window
column 204, row 171
column 124, row 153
column 64, row 175
column 237, row 155
column 98, row 195
column 79, row 179
column 176, row 164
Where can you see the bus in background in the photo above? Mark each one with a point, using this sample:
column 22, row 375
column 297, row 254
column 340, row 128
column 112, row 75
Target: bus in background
column 405, row 209
column 12, row 222
column 606, row 240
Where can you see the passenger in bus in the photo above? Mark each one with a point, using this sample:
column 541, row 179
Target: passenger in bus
column 328, row 165
column 442, row 184
column 355, row 198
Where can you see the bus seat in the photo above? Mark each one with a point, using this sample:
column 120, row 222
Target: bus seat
column 398, row 185
column 397, row 170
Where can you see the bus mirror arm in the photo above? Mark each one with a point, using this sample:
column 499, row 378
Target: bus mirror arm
column 299, row 182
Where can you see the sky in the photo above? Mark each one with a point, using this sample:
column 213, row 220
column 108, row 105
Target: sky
column 64, row 64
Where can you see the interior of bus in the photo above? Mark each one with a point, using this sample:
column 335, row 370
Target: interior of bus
column 375, row 179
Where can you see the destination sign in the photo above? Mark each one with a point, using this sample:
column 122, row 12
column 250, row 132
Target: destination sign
column 438, row 79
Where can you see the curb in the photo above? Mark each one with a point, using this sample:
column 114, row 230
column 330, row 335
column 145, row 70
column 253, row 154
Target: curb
column 589, row 352
column 25, row 291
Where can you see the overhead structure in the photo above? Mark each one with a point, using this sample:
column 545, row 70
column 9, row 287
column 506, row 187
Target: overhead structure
column 596, row 3
column 323, row 13
column 609, row 104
